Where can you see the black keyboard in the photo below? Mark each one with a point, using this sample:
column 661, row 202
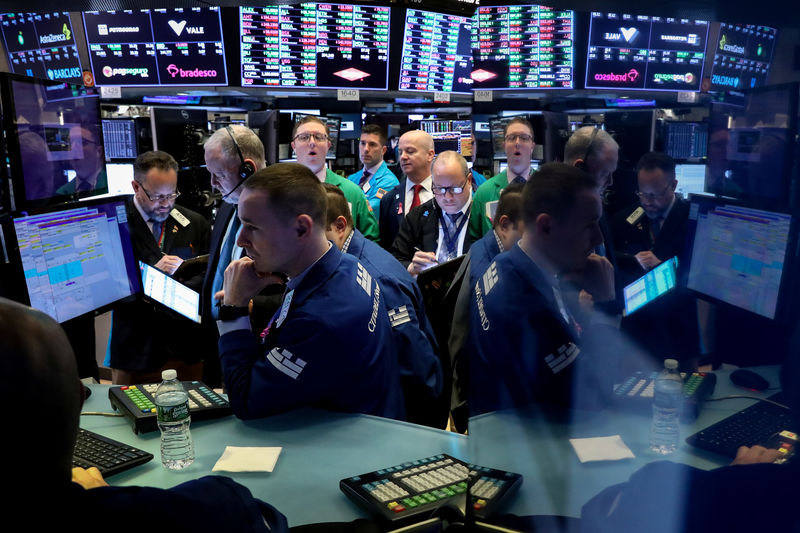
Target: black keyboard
column 755, row 425
column 109, row 456
column 415, row 491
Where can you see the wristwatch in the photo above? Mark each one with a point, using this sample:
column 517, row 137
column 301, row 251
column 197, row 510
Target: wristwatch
column 232, row 312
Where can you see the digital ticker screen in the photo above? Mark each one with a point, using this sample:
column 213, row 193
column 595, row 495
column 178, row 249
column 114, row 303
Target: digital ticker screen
column 743, row 56
column 315, row 45
column 41, row 45
column 523, row 47
column 436, row 53
column 156, row 47
column 645, row 53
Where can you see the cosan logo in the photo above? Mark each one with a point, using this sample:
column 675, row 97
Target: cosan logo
column 732, row 48
column 179, row 25
column 177, row 72
column 628, row 77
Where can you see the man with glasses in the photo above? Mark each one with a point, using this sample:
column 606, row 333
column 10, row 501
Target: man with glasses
column 518, row 143
column 436, row 231
column 311, row 142
column 144, row 338
column 375, row 179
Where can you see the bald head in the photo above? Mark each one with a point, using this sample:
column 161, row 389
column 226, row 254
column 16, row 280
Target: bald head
column 39, row 373
column 415, row 151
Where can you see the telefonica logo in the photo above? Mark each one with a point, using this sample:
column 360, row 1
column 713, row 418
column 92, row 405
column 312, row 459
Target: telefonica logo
column 687, row 78
column 192, row 73
column 109, row 72
column 732, row 48
column 629, row 77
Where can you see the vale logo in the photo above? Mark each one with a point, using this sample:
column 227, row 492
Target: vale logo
column 628, row 34
column 179, row 26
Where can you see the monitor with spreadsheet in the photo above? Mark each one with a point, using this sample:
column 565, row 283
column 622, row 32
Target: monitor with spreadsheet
column 691, row 179
column 685, row 140
column 77, row 259
column 119, row 138
column 739, row 255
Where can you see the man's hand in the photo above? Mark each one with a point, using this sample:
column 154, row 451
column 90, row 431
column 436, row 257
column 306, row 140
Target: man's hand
column 756, row 454
column 596, row 278
column 88, row 479
column 647, row 260
column 242, row 282
column 169, row 264
column 421, row 261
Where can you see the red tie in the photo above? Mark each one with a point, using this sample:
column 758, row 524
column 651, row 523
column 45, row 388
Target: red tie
column 416, row 201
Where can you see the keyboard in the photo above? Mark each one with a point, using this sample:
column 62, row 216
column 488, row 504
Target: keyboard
column 757, row 424
column 109, row 456
column 414, row 491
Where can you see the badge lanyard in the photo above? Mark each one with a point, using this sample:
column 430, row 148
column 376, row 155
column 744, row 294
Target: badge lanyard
column 451, row 243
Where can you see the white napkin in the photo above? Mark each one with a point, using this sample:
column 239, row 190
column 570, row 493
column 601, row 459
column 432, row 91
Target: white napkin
column 601, row 449
column 247, row 459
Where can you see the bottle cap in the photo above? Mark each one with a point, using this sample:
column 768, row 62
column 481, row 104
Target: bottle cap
column 670, row 364
column 169, row 374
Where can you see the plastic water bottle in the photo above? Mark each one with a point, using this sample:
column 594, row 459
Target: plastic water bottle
column 172, row 408
column 665, row 429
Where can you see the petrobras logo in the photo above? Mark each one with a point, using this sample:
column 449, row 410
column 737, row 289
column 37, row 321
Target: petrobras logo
column 730, row 48
column 105, row 29
column 109, row 72
column 628, row 77
column 727, row 81
column 692, row 39
column 177, row 72
column 63, row 73
column 687, row 78
column 627, row 34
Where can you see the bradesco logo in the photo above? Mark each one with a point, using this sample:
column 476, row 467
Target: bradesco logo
column 177, row 72
column 687, row 78
column 109, row 72
column 628, row 77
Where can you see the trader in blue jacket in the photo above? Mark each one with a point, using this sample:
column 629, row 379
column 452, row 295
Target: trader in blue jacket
column 420, row 369
column 329, row 345
column 375, row 178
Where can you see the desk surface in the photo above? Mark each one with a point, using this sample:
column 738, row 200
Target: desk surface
column 536, row 445
column 320, row 448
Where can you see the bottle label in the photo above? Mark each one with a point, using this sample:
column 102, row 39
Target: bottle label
column 172, row 413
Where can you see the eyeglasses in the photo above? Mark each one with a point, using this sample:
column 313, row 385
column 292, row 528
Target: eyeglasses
column 650, row 196
column 441, row 191
column 521, row 137
column 306, row 137
column 160, row 197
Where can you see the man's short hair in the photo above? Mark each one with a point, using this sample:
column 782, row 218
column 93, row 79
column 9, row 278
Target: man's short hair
column 657, row 160
column 292, row 190
column 374, row 129
column 150, row 160
column 509, row 204
column 337, row 205
column 305, row 120
column 249, row 144
column 518, row 120
column 554, row 190
column 448, row 157
column 587, row 142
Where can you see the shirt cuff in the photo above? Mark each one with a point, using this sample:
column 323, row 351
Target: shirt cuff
column 226, row 326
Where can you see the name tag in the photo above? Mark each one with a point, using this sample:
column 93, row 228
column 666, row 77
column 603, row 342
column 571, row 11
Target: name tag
column 366, row 187
column 634, row 217
column 179, row 217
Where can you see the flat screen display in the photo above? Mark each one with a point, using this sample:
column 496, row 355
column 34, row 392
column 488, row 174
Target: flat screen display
column 691, row 179
column 686, row 140
column 743, row 55
column 652, row 285
column 315, row 45
column 41, row 45
column 170, row 293
column 436, row 53
column 645, row 53
column 523, row 47
column 453, row 135
column 119, row 137
column 77, row 259
column 152, row 47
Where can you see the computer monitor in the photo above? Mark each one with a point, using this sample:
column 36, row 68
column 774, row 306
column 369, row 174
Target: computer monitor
column 51, row 139
column 332, row 46
column 497, row 126
column 743, row 56
column 691, row 179
column 645, row 53
column 119, row 138
column 437, row 54
column 77, row 259
column 155, row 47
column 449, row 134
column 41, row 45
column 739, row 255
column 523, row 47
column 686, row 140
column 334, row 124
